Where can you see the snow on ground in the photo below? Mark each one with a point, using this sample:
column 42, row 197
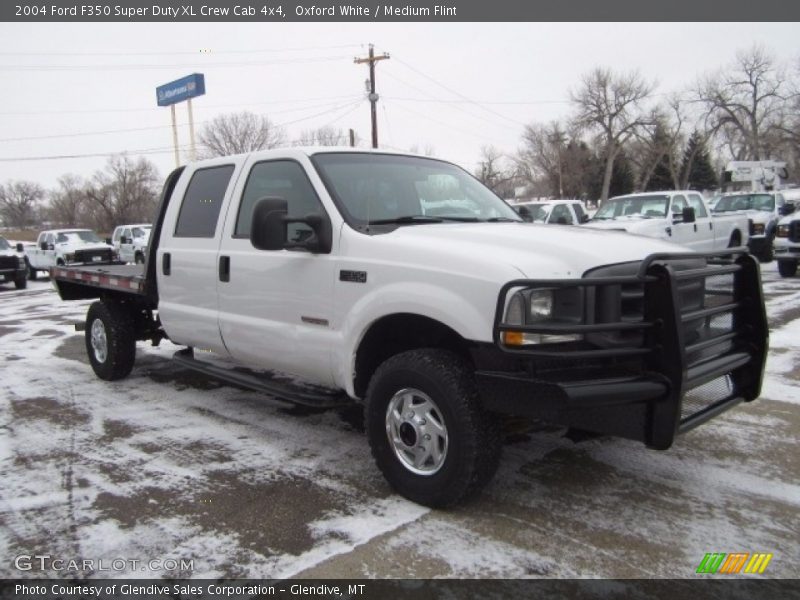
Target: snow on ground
column 168, row 464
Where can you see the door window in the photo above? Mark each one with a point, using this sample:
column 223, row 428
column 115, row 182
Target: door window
column 697, row 204
column 201, row 203
column 561, row 215
column 284, row 179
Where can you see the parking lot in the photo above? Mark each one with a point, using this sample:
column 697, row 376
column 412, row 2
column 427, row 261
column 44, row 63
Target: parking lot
column 168, row 465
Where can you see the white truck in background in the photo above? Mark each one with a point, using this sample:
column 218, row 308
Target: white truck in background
column 763, row 211
column 60, row 247
column 681, row 217
column 553, row 212
column 130, row 242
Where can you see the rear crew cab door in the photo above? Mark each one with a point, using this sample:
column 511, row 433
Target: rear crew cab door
column 704, row 223
column 187, row 255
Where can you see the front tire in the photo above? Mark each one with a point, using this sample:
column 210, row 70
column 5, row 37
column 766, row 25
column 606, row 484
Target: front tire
column 110, row 340
column 429, row 436
column 138, row 258
column 787, row 268
column 31, row 273
column 21, row 283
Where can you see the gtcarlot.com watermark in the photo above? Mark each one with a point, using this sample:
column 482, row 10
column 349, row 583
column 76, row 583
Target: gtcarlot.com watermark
column 46, row 562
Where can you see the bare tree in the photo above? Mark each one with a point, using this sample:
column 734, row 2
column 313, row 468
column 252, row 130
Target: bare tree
column 744, row 104
column 539, row 157
column 236, row 133
column 325, row 136
column 612, row 105
column 659, row 144
column 126, row 191
column 19, row 203
column 68, row 202
column 494, row 173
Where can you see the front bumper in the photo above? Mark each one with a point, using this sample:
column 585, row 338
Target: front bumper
column 787, row 251
column 12, row 274
column 690, row 364
column 758, row 243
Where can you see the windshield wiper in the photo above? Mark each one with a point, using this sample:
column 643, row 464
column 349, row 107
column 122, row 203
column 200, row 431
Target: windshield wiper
column 405, row 220
column 502, row 220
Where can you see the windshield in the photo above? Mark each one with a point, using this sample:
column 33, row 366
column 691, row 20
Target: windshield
column 633, row 206
column 4, row 245
column 389, row 189
column 538, row 212
column 745, row 202
column 77, row 236
column 141, row 231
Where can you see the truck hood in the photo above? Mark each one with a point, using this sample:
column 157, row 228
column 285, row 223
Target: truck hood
column 540, row 251
column 631, row 224
column 756, row 216
column 73, row 246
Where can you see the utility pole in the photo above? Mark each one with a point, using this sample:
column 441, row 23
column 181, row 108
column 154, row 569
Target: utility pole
column 373, row 97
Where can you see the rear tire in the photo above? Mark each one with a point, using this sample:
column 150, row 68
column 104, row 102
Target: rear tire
column 787, row 268
column 138, row 258
column 110, row 340
column 428, row 433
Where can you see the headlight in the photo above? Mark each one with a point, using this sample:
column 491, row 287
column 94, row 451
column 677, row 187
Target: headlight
column 783, row 231
column 544, row 306
column 758, row 229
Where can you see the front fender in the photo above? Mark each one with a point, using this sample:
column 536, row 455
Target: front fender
column 468, row 314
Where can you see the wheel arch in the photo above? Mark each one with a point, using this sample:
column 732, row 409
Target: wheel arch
column 398, row 332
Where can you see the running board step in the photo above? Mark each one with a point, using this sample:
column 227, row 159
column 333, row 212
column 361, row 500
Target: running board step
column 316, row 397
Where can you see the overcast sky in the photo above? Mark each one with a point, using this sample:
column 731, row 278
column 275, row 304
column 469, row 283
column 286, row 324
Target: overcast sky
column 89, row 89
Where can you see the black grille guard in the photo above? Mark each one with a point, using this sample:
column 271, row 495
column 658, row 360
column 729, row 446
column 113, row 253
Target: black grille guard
column 671, row 364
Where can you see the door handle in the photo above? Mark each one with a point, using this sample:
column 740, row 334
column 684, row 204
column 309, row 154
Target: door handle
column 224, row 268
column 166, row 263
column 695, row 227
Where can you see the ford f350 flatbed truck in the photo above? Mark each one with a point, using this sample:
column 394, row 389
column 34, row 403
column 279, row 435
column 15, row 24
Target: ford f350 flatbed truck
column 402, row 284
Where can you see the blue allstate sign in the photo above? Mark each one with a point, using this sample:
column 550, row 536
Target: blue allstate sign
column 181, row 89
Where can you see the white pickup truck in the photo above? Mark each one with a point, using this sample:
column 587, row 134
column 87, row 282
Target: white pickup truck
column 787, row 244
column 553, row 212
column 681, row 217
column 58, row 247
column 763, row 211
column 330, row 265
column 12, row 264
column 130, row 242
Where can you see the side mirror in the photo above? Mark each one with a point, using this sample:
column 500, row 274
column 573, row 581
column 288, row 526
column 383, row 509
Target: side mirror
column 688, row 214
column 43, row 245
column 584, row 219
column 109, row 242
column 525, row 213
column 269, row 232
column 786, row 209
column 20, row 247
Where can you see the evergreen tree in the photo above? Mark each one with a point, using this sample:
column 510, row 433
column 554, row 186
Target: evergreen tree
column 698, row 174
column 661, row 179
column 622, row 180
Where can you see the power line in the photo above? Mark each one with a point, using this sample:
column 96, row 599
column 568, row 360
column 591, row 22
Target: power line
column 156, row 127
column 158, row 108
column 189, row 66
column 459, row 94
column 182, row 52
column 483, row 118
